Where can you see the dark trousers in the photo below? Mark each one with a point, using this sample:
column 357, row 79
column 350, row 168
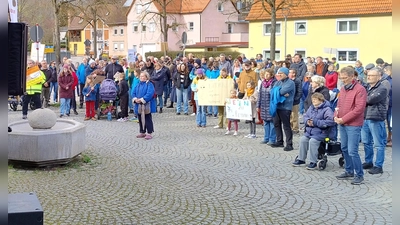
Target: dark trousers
column 73, row 102
column 123, row 102
column 81, row 100
column 148, row 124
column 283, row 118
column 27, row 98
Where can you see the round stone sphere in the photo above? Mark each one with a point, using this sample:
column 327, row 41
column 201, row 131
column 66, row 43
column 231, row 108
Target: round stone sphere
column 42, row 119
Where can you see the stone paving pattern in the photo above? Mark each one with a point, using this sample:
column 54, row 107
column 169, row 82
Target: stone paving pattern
column 191, row 175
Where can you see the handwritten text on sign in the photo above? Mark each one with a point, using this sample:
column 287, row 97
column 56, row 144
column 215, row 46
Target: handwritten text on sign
column 238, row 109
column 214, row 91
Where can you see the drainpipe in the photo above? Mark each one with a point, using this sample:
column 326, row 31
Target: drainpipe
column 200, row 26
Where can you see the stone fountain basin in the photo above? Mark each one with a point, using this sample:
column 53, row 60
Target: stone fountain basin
column 43, row 147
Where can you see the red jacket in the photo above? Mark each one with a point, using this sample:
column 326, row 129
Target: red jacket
column 64, row 82
column 331, row 80
column 75, row 80
column 351, row 104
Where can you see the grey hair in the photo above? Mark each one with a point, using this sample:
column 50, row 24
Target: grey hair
column 309, row 73
column 377, row 69
column 320, row 80
column 347, row 70
column 146, row 73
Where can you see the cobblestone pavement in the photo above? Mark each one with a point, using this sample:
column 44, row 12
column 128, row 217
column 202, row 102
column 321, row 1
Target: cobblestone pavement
column 190, row 175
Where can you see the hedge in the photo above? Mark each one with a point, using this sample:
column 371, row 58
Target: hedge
column 173, row 54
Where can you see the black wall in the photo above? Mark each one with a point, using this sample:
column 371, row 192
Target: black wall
column 17, row 57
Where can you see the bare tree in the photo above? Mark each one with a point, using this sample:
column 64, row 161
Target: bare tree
column 272, row 7
column 93, row 10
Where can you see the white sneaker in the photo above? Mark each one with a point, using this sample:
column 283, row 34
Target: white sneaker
column 119, row 120
column 247, row 136
column 235, row 133
column 193, row 114
column 216, row 127
column 227, row 132
column 252, row 136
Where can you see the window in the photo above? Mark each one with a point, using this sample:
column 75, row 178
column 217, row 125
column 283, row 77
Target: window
column 267, row 54
column 138, row 8
column 191, row 26
column 152, row 27
column 347, row 55
column 122, row 31
column 121, row 46
column 135, row 27
column 267, row 28
column 115, row 46
column 220, row 7
column 230, row 28
column 143, row 27
column 239, row 5
column 300, row 27
column 115, row 31
column 302, row 52
column 349, row 26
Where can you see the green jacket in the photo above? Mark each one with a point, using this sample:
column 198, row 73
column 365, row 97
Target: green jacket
column 36, row 88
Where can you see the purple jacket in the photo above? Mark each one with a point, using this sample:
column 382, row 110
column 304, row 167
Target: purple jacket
column 322, row 118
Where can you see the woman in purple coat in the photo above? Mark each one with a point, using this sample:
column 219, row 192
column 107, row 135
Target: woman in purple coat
column 318, row 120
column 66, row 91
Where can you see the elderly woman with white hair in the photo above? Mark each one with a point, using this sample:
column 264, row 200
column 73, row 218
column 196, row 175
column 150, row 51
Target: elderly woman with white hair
column 145, row 104
column 317, row 85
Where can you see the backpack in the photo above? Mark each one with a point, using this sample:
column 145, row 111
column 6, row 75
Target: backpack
column 108, row 90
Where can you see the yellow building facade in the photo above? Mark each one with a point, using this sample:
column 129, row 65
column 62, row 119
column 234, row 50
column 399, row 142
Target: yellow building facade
column 347, row 38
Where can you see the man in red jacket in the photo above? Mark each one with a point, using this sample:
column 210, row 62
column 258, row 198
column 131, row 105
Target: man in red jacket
column 349, row 115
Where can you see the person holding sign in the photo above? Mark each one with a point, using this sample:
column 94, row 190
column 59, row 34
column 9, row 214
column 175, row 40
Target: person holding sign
column 201, row 118
column 35, row 79
column 221, row 109
column 252, row 95
column 245, row 76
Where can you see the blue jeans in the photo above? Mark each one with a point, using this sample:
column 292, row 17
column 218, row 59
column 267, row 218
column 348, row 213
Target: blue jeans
column 167, row 91
column 201, row 118
column 54, row 86
column 301, row 107
column 65, row 106
column 160, row 101
column 130, row 99
column 269, row 132
column 334, row 132
column 350, row 140
column 212, row 110
column 182, row 95
column 373, row 135
column 389, row 119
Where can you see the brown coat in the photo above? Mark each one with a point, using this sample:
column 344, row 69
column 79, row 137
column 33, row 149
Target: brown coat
column 245, row 77
column 64, row 82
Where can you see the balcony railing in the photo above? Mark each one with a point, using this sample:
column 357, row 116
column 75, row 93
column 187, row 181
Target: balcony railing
column 212, row 39
column 75, row 39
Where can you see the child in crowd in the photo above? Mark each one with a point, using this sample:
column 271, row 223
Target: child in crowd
column 123, row 93
column 235, row 121
column 89, row 91
column 252, row 95
column 201, row 118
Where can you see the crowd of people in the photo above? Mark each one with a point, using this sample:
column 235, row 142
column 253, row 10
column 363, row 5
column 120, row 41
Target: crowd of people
column 314, row 96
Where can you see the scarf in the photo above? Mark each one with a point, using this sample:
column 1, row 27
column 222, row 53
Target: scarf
column 266, row 83
column 250, row 91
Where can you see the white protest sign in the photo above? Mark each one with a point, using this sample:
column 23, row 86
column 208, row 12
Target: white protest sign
column 238, row 109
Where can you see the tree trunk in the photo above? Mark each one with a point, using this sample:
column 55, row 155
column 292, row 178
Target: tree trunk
column 273, row 33
column 165, row 25
column 56, row 34
column 95, row 36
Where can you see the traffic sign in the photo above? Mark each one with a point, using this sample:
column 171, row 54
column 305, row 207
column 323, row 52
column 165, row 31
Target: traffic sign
column 36, row 33
column 87, row 42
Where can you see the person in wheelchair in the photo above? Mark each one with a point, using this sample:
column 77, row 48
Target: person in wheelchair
column 318, row 121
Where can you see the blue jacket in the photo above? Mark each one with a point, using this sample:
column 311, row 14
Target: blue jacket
column 92, row 95
column 306, row 86
column 81, row 73
column 212, row 74
column 144, row 90
column 89, row 70
column 276, row 98
column 287, row 86
column 322, row 118
column 158, row 78
column 134, row 84
column 264, row 101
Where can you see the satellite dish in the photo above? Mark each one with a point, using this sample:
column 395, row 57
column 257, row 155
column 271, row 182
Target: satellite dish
column 184, row 38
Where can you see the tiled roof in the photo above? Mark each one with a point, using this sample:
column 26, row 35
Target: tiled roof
column 110, row 14
column 324, row 8
column 218, row 44
column 180, row 6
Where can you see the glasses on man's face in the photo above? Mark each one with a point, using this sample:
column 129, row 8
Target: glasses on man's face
column 308, row 77
column 343, row 78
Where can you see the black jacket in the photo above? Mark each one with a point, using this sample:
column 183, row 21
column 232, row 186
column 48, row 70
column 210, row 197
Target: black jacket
column 49, row 76
column 298, row 91
column 123, row 88
column 177, row 80
column 376, row 102
column 323, row 90
column 112, row 69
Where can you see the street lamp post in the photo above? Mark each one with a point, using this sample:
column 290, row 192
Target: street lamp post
column 285, row 12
